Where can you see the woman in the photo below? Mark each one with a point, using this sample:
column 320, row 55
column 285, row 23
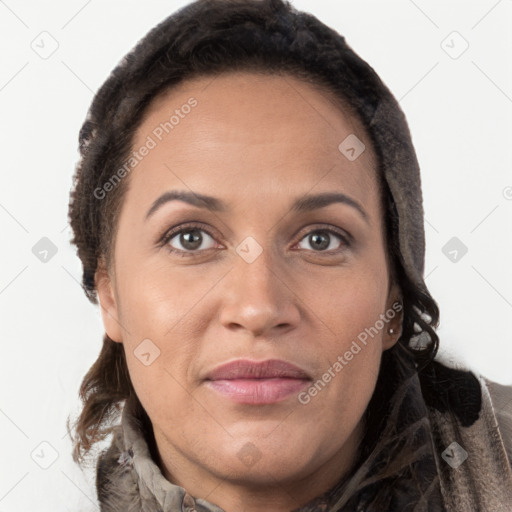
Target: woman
column 248, row 212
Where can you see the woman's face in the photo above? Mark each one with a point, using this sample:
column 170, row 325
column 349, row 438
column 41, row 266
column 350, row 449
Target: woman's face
column 251, row 277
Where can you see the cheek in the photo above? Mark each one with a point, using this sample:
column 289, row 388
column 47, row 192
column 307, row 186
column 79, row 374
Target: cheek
column 351, row 343
column 161, row 313
column 161, row 391
column 155, row 300
column 348, row 302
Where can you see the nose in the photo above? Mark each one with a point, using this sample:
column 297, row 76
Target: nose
column 258, row 297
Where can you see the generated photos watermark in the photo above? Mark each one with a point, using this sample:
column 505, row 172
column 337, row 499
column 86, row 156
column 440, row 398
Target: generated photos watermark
column 357, row 345
column 152, row 141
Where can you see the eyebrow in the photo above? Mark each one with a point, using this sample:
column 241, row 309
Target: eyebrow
column 302, row 204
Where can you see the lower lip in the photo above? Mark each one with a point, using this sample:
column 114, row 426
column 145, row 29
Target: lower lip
column 258, row 391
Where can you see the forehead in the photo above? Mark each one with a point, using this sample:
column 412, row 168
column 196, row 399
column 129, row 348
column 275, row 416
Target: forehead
column 257, row 134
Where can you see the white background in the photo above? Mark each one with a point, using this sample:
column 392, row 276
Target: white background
column 460, row 114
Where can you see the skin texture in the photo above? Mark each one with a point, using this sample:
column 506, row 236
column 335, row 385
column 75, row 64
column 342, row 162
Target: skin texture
column 257, row 142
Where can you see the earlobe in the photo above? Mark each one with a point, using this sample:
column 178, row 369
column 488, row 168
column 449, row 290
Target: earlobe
column 394, row 313
column 108, row 303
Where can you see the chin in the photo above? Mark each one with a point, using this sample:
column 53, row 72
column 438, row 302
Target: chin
column 267, row 458
column 264, row 472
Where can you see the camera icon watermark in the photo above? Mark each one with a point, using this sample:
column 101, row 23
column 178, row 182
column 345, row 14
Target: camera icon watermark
column 44, row 455
column 249, row 249
column 146, row 352
column 454, row 455
column 351, row 147
column 454, row 45
column 454, row 249
column 507, row 193
column 249, row 454
column 44, row 250
column 45, row 45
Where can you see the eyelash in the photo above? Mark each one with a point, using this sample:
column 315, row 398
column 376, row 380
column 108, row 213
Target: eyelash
column 183, row 228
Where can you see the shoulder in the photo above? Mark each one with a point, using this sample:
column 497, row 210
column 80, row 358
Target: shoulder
column 501, row 398
column 449, row 386
column 473, row 412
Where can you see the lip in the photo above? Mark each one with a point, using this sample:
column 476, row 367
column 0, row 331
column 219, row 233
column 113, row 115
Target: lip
column 257, row 382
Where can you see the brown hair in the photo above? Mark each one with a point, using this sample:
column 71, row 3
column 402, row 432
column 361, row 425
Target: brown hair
column 207, row 38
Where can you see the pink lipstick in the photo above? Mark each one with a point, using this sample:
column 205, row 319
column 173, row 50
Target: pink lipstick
column 257, row 382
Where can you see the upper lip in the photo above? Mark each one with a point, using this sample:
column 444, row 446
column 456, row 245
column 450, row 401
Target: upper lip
column 247, row 369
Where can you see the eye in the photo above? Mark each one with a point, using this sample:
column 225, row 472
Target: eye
column 188, row 239
column 323, row 240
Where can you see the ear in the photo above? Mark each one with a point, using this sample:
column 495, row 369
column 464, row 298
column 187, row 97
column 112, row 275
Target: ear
column 108, row 303
column 395, row 314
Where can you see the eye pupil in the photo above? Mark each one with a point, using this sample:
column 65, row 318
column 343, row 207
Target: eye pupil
column 191, row 239
column 317, row 241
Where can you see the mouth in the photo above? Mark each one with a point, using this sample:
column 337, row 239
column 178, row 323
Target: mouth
column 257, row 382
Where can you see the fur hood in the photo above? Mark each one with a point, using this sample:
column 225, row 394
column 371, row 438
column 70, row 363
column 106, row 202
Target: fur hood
column 441, row 448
